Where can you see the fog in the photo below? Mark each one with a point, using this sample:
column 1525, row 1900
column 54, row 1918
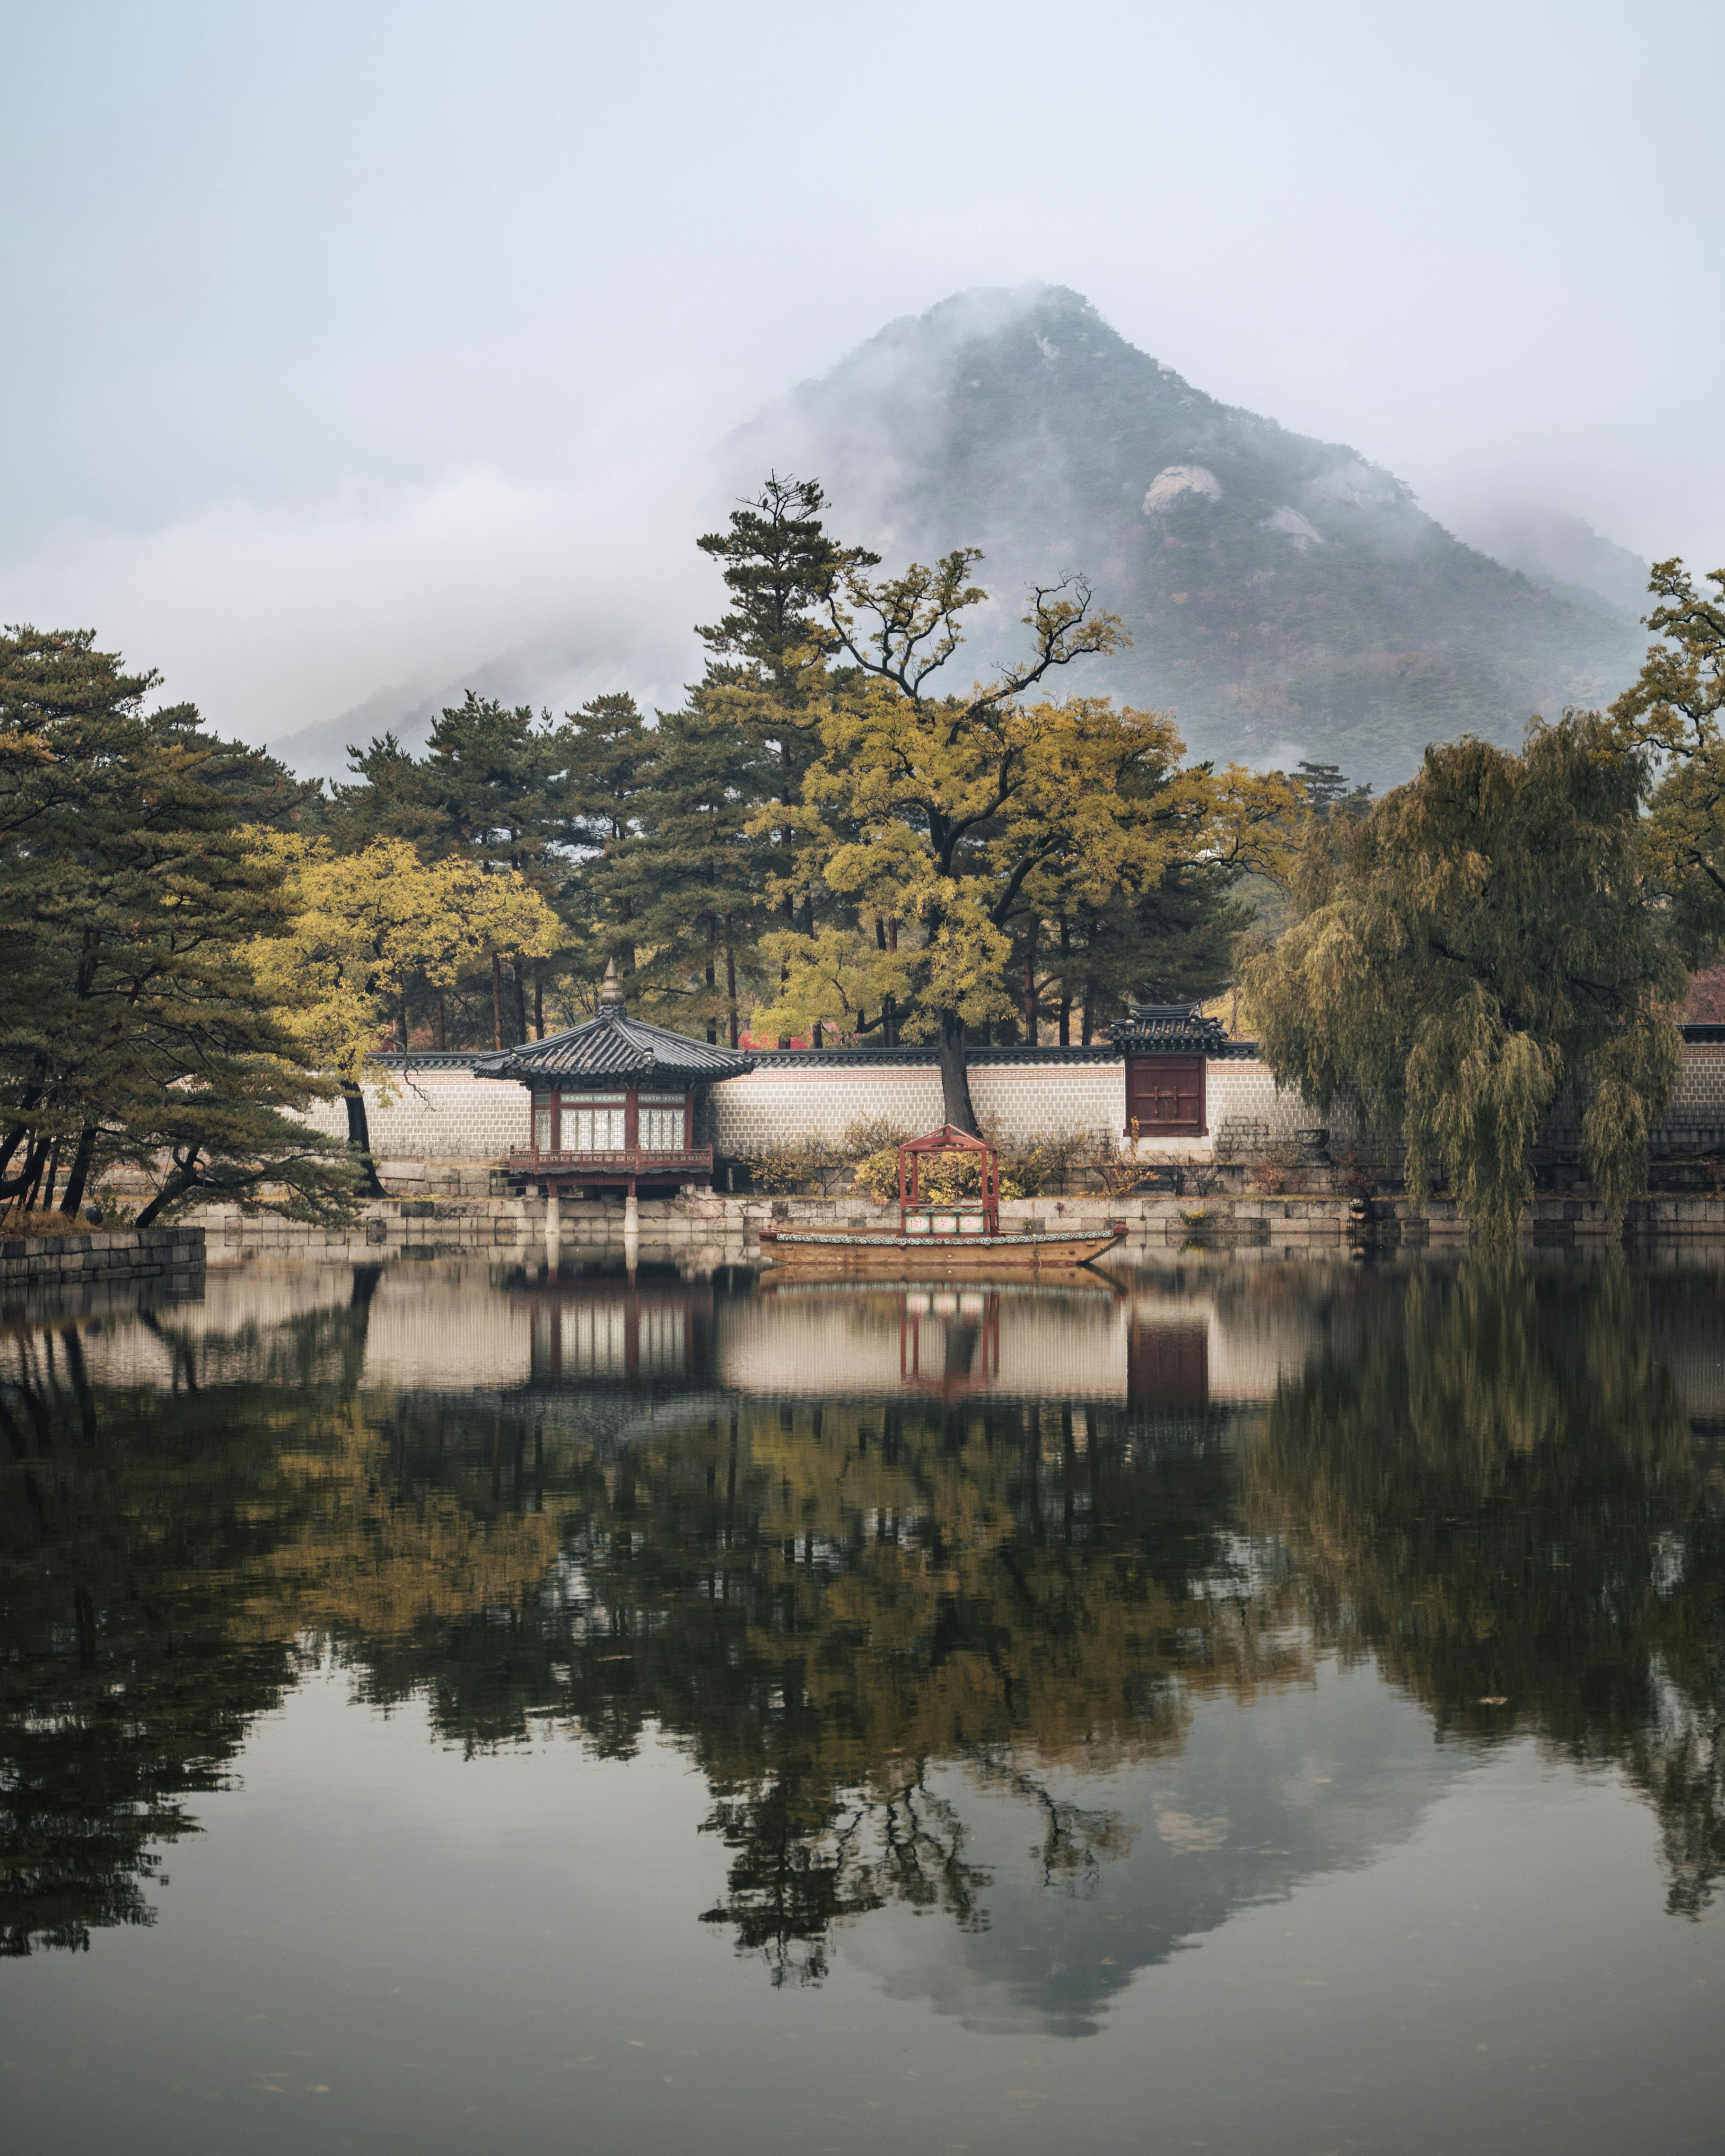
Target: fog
column 359, row 352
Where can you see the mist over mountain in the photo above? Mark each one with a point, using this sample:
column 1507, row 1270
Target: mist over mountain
column 1560, row 551
column 1286, row 596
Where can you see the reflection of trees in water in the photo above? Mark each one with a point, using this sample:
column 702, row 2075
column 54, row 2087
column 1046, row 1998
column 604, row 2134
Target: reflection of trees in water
column 1493, row 1491
column 1497, row 1495
column 824, row 1604
column 127, row 1686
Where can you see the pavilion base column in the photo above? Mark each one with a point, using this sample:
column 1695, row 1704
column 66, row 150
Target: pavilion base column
column 553, row 1221
column 631, row 1213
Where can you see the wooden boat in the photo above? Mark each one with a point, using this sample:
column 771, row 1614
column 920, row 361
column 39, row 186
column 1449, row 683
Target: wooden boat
column 881, row 1254
column 938, row 1233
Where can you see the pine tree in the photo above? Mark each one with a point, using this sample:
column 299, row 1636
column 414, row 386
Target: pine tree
column 131, row 1029
column 691, row 871
column 768, row 675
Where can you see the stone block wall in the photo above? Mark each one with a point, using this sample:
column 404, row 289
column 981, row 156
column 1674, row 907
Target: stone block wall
column 98, row 1260
column 1246, row 1091
column 447, row 1114
column 440, row 1115
column 1026, row 1101
column 791, row 1097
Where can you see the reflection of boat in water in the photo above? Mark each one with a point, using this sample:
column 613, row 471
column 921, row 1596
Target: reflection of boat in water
column 941, row 1227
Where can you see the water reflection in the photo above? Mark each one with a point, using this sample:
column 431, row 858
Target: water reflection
column 953, row 1598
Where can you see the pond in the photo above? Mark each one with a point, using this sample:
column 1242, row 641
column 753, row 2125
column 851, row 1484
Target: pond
column 1259, row 1708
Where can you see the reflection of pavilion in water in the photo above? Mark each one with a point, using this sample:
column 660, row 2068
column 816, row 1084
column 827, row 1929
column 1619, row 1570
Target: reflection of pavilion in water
column 589, row 1333
column 480, row 1334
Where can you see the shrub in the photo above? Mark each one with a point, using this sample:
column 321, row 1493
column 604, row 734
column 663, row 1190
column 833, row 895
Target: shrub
column 871, row 1145
column 803, row 1168
column 14, row 1221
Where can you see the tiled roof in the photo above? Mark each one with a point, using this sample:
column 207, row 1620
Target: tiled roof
column 613, row 1048
column 924, row 1059
column 1173, row 1029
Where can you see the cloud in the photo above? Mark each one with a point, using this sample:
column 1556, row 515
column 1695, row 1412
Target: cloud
column 291, row 625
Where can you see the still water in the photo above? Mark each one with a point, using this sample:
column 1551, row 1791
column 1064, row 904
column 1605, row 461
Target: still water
column 1259, row 1709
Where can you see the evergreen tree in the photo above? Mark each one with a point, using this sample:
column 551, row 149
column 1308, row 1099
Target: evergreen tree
column 690, row 873
column 130, row 896
column 606, row 749
column 1675, row 712
column 768, row 676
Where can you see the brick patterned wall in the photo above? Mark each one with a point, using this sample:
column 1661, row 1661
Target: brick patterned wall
column 440, row 1115
column 449, row 1115
column 777, row 1102
column 1247, row 1091
column 1030, row 1101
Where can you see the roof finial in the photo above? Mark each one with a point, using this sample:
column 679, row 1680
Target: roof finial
column 611, row 992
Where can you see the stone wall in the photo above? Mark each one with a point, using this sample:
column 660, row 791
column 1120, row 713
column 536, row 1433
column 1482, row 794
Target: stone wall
column 1246, row 1092
column 791, row 1096
column 446, row 1115
column 31, row 1263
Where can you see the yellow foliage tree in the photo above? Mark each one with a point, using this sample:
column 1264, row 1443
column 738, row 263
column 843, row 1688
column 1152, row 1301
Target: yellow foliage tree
column 956, row 813
column 359, row 924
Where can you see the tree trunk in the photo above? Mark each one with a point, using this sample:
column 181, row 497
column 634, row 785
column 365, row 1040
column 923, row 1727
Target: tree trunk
column 442, row 1027
column 79, row 1176
column 712, row 981
column 1065, row 989
column 538, row 1003
column 496, row 1001
column 1030, row 1001
column 955, row 1078
column 520, row 1000
column 1090, row 997
column 185, row 1177
column 731, row 980
column 54, row 1170
column 401, row 1011
column 359, row 1137
column 29, row 1174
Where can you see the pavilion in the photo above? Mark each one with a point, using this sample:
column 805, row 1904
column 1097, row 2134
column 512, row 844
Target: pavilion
column 617, row 1103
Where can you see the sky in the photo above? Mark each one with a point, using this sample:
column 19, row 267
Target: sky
column 357, row 352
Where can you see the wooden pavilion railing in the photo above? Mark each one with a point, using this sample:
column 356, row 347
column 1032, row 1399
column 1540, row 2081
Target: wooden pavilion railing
column 623, row 1160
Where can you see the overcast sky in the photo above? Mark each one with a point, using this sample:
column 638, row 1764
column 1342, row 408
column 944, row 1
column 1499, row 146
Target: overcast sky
column 355, row 349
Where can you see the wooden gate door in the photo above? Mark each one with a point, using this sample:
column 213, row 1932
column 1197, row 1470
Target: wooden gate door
column 1164, row 1095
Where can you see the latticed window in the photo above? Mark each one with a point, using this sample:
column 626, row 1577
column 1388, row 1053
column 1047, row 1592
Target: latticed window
column 659, row 1122
column 595, row 1122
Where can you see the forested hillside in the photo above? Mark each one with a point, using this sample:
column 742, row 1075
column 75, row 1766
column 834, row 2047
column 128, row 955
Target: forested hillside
column 1285, row 597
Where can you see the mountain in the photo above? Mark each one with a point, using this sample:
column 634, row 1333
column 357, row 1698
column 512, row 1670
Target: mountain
column 1286, row 596
column 1561, row 552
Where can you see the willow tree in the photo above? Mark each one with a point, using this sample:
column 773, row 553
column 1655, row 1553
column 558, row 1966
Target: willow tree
column 1477, row 944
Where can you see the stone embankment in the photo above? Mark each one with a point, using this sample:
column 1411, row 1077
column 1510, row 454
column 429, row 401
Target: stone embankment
column 479, row 1221
column 89, row 1265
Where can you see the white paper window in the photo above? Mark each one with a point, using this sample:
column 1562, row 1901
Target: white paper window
column 541, row 1129
column 593, row 1130
column 661, row 1129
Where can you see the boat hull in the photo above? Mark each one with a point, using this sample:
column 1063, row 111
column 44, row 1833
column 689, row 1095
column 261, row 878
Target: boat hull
column 900, row 1257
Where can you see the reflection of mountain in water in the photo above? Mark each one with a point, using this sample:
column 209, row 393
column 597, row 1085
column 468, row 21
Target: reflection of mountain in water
column 1249, row 1807
column 1032, row 1610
